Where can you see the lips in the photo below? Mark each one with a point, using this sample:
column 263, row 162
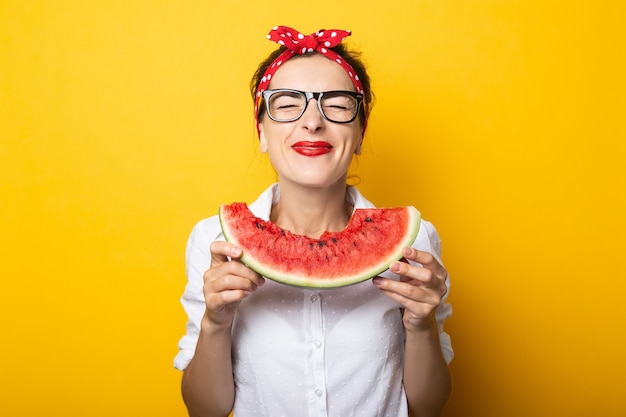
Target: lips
column 308, row 148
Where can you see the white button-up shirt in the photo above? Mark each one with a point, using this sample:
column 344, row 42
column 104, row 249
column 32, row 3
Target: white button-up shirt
column 301, row 352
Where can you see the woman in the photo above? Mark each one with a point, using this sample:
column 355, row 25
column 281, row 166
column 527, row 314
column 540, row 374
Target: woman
column 263, row 348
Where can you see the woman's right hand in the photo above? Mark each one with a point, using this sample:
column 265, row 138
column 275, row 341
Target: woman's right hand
column 226, row 283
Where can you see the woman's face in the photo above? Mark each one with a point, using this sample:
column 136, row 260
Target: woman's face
column 311, row 151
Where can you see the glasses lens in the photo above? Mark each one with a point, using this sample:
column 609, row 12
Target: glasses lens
column 289, row 105
column 339, row 107
column 286, row 105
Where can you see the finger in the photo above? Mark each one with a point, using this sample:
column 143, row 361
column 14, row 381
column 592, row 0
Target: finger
column 231, row 275
column 233, row 282
column 228, row 284
column 217, row 302
column 410, row 296
column 420, row 256
column 419, row 276
column 221, row 251
column 426, row 259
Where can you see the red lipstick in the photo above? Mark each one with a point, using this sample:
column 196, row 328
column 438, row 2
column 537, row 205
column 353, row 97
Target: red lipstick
column 316, row 148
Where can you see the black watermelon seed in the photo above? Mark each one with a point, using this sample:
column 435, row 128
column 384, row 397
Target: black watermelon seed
column 368, row 219
column 321, row 243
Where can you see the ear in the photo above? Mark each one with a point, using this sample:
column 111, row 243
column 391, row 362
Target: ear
column 358, row 149
column 262, row 141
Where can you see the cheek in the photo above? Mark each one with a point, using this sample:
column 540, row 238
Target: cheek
column 357, row 138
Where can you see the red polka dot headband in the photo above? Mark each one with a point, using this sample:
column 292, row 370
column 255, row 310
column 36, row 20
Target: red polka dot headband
column 299, row 44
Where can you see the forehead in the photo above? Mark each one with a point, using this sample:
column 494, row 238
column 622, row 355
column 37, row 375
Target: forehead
column 311, row 73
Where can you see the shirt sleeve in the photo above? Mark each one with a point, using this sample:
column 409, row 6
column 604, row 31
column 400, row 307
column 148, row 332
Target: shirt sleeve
column 198, row 260
column 428, row 239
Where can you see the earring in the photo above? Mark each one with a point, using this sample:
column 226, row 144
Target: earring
column 357, row 151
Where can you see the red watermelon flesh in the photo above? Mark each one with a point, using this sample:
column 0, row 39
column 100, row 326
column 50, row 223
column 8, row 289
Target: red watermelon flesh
column 372, row 240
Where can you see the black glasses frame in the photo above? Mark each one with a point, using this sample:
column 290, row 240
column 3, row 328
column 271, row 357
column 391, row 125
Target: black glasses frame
column 308, row 95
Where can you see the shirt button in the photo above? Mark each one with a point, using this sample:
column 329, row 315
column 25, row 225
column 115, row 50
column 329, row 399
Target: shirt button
column 317, row 344
column 318, row 392
column 313, row 298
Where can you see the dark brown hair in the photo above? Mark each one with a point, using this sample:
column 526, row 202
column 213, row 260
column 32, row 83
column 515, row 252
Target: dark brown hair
column 351, row 57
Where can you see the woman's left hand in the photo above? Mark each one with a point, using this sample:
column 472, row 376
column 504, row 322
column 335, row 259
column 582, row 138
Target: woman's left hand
column 419, row 290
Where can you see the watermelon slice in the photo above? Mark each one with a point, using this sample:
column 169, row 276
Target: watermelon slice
column 372, row 240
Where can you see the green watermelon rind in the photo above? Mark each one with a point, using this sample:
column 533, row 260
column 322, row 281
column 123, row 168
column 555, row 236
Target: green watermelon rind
column 413, row 227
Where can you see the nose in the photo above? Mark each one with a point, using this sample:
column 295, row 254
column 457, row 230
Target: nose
column 312, row 118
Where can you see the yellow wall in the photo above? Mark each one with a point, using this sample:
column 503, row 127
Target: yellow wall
column 122, row 123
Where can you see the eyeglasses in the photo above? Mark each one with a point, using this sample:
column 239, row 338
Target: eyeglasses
column 285, row 105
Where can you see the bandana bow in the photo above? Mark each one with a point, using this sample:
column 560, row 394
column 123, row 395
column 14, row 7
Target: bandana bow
column 300, row 44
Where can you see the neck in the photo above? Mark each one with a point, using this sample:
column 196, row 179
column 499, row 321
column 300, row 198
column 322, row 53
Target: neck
column 311, row 211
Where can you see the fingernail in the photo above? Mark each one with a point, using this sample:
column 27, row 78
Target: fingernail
column 377, row 281
column 235, row 251
column 395, row 267
column 407, row 251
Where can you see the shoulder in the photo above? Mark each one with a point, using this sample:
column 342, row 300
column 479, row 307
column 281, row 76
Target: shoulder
column 208, row 229
column 203, row 233
column 357, row 199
